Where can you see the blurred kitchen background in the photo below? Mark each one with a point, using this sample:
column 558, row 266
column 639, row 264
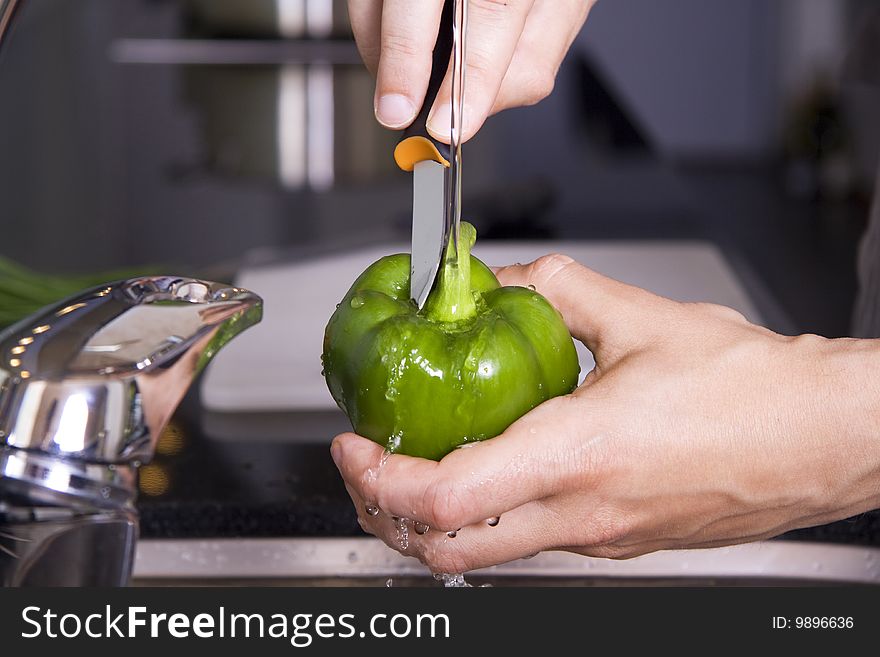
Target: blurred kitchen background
column 201, row 132
column 212, row 137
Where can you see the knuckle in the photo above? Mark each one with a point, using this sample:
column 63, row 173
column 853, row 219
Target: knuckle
column 809, row 341
column 606, row 531
column 539, row 88
column 481, row 64
column 547, row 267
column 723, row 312
column 400, row 46
column 444, row 505
column 443, row 557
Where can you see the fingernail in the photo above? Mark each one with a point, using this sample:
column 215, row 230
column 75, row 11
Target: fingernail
column 336, row 453
column 394, row 110
column 439, row 122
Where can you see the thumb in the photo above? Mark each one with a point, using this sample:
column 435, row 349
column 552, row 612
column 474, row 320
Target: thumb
column 601, row 312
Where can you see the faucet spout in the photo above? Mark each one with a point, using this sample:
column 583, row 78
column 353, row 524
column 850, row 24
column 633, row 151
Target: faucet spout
column 86, row 387
column 95, row 378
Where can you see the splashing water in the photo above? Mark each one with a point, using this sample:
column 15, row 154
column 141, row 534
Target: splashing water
column 400, row 524
column 452, row 580
column 373, row 473
column 402, row 532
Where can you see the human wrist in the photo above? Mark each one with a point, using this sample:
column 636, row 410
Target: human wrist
column 847, row 404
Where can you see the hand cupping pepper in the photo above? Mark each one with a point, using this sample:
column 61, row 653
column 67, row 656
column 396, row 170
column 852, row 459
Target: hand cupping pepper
column 476, row 358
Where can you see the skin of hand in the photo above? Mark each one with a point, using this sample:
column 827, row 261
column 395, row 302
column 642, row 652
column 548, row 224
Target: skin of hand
column 514, row 50
column 695, row 429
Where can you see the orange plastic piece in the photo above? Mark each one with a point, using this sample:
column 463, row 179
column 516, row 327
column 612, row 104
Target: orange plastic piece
column 413, row 150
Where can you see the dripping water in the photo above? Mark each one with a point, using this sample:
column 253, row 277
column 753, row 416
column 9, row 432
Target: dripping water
column 402, row 532
column 452, row 580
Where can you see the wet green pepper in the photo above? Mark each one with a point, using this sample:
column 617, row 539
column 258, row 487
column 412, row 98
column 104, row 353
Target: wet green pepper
column 473, row 360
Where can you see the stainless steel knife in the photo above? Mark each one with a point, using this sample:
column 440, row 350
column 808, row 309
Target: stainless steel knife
column 429, row 161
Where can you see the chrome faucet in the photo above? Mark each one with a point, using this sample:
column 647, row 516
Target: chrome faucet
column 86, row 387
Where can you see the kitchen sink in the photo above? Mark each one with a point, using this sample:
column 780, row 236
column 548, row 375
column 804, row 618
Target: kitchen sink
column 249, row 494
column 368, row 562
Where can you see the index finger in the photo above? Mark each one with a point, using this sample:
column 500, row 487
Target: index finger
column 533, row 459
column 409, row 32
column 493, row 31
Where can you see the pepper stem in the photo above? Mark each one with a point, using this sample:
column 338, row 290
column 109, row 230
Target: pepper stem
column 451, row 300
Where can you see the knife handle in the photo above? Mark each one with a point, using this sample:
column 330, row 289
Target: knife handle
column 416, row 144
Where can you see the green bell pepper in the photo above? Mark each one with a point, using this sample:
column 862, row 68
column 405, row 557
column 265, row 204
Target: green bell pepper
column 473, row 360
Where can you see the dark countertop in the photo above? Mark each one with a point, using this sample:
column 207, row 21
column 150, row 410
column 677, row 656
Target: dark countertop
column 255, row 482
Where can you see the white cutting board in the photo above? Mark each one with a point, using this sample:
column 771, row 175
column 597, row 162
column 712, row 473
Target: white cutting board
column 276, row 365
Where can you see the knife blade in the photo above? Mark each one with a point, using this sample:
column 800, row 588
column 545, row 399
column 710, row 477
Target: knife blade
column 430, row 228
column 429, row 160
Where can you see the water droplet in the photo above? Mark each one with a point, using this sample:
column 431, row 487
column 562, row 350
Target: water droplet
column 532, row 288
column 453, row 533
column 372, row 510
column 389, row 582
column 420, row 527
column 356, row 302
column 402, row 533
column 338, row 304
column 533, row 430
column 392, row 446
column 493, row 522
